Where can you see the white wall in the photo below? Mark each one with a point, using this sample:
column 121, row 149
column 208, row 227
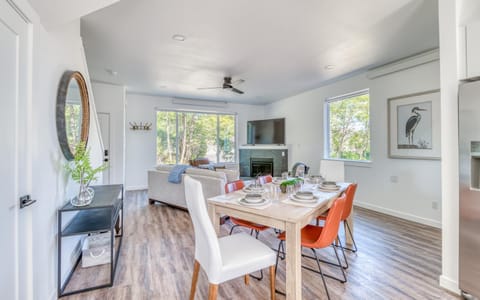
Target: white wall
column 110, row 99
column 141, row 145
column 52, row 53
column 418, row 180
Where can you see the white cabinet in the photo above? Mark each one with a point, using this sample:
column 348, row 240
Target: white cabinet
column 469, row 50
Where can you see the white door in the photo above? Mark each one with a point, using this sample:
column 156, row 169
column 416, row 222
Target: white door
column 104, row 123
column 15, row 224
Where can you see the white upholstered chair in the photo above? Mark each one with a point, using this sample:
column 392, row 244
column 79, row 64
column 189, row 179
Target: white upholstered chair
column 332, row 170
column 227, row 257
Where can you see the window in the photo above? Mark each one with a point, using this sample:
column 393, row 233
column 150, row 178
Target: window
column 182, row 136
column 348, row 127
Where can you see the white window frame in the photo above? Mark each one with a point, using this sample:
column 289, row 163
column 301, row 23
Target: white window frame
column 177, row 111
column 326, row 118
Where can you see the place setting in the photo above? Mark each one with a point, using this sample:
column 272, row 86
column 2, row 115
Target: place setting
column 254, row 189
column 255, row 200
column 329, row 186
column 304, row 198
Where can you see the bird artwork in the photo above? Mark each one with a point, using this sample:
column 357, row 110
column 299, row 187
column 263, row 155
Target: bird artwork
column 412, row 123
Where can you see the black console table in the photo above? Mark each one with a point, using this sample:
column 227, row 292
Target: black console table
column 104, row 214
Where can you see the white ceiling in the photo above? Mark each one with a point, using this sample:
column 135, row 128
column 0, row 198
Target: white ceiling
column 280, row 48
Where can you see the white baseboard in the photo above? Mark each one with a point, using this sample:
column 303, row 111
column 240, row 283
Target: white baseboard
column 449, row 284
column 136, row 188
column 399, row 214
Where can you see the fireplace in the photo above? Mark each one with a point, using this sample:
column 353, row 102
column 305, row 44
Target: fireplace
column 261, row 165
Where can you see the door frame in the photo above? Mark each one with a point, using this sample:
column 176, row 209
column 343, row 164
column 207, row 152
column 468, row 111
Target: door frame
column 15, row 19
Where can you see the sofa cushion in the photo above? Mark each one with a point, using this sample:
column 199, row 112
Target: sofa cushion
column 205, row 172
column 232, row 175
column 166, row 168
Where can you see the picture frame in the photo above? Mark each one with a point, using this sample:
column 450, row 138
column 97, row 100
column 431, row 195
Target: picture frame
column 414, row 126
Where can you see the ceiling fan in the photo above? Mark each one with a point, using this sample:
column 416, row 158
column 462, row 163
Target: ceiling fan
column 227, row 85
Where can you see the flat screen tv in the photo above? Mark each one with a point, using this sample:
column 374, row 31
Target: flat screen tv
column 270, row 131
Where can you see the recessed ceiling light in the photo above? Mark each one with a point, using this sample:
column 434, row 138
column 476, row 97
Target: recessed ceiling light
column 179, row 37
column 111, row 72
column 329, row 67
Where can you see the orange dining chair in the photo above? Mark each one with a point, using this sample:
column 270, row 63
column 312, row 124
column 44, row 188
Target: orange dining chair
column 223, row 258
column 235, row 186
column 265, row 179
column 350, row 195
column 316, row 237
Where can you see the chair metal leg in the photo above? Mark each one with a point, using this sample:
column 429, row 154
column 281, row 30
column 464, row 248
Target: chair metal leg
column 340, row 264
column 355, row 249
column 330, row 263
column 231, row 230
column 343, row 252
column 251, row 231
column 321, row 273
column 196, row 268
column 280, row 245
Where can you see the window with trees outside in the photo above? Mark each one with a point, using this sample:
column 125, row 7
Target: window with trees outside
column 182, row 136
column 348, row 127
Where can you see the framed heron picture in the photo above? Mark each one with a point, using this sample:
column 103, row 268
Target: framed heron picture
column 414, row 126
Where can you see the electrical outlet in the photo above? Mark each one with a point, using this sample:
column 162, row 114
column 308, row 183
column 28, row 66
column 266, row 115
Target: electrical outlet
column 394, row 178
column 434, row 205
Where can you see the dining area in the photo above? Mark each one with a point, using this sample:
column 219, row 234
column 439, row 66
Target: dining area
column 304, row 216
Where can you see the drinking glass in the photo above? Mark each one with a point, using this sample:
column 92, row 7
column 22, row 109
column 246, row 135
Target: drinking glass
column 290, row 190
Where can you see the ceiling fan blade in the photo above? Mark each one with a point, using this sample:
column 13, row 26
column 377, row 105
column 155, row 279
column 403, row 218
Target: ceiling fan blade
column 210, row 88
column 237, row 91
column 238, row 81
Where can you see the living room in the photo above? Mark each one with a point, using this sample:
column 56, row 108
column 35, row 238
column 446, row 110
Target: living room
column 423, row 191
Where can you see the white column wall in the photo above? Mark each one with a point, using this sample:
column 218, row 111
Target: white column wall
column 110, row 99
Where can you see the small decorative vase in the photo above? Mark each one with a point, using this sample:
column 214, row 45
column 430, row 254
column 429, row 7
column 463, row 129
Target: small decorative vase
column 84, row 197
column 283, row 188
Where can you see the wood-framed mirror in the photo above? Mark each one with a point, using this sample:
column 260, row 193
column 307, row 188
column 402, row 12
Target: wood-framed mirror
column 72, row 113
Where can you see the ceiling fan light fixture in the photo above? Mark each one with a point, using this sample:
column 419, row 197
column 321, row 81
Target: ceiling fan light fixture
column 179, row 37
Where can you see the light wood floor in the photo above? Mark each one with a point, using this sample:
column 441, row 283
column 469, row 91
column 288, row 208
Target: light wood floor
column 397, row 259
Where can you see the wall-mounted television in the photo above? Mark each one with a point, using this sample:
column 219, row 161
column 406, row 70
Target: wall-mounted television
column 270, row 131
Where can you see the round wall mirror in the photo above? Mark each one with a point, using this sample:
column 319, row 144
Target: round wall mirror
column 73, row 112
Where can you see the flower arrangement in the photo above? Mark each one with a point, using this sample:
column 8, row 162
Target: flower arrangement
column 82, row 172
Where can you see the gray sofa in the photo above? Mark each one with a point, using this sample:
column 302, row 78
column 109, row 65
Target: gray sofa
column 213, row 183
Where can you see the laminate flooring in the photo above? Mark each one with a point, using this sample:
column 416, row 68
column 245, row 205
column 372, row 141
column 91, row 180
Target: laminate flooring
column 397, row 259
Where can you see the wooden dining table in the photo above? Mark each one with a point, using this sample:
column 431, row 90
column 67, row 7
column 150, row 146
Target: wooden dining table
column 282, row 214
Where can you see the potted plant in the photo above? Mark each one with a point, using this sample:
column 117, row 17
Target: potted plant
column 82, row 172
column 293, row 181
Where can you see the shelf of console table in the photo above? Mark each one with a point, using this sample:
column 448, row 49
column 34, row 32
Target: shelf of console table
column 104, row 214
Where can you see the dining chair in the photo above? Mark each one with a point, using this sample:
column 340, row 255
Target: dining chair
column 332, row 170
column 350, row 195
column 316, row 237
column 265, row 179
column 223, row 258
column 235, row 186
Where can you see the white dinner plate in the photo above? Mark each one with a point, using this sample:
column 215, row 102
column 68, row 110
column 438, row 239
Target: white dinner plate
column 329, row 189
column 253, row 199
column 306, row 195
column 243, row 202
column 254, row 191
column 296, row 199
